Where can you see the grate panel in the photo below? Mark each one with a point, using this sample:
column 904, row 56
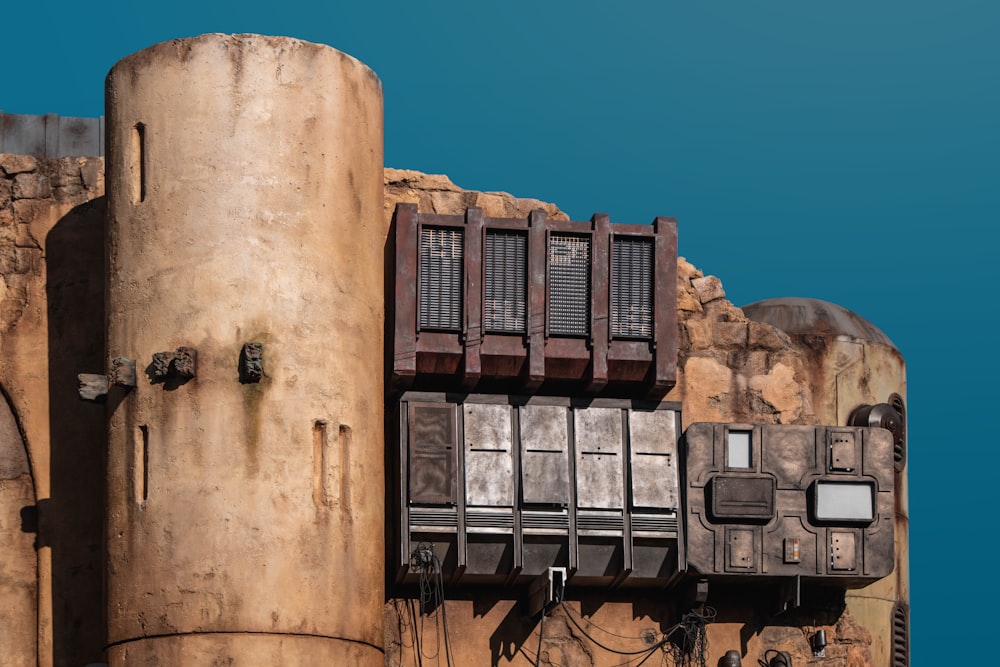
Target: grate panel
column 569, row 284
column 504, row 303
column 632, row 287
column 441, row 273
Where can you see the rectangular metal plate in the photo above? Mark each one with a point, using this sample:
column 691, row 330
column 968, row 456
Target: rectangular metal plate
column 653, row 440
column 489, row 462
column 742, row 497
column 843, row 551
column 843, row 451
column 569, row 284
column 505, row 281
column 632, row 287
column 544, row 454
column 741, row 549
column 845, row 501
column 599, row 475
column 432, row 436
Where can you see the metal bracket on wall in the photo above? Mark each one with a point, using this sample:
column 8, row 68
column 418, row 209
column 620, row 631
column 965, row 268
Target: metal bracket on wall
column 546, row 591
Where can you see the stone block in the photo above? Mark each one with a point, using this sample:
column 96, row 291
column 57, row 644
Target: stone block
column 731, row 334
column 700, row 333
column 708, row 288
column 92, row 173
column 687, row 300
column 32, row 186
column 687, row 270
column 766, row 337
column 17, row 164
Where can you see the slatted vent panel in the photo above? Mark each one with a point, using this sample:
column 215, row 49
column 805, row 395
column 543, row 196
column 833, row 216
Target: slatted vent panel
column 569, row 284
column 441, row 273
column 632, row 287
column 506, row 260
column 432, row 454
column 900, row 637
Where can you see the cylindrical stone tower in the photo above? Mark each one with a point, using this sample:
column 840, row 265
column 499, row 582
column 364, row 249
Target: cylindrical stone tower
column 245, row 248
column 852, row 364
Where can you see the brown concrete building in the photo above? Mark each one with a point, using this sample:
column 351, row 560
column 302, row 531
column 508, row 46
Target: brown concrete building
column 233, row 479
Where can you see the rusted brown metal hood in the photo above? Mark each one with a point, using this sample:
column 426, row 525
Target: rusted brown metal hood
column 813, row 317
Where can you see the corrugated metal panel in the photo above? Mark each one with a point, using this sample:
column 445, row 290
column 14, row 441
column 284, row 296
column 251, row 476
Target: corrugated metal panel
column 505, row 282
column 632, row 287
column 599, row 469
column 441, row 275
column 569, row 284
column 432, row 454
column 544, row 454
column 489, row 456
column 653, row 439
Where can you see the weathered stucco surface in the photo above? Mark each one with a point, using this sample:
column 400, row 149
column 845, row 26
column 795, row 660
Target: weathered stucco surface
column 236, row 507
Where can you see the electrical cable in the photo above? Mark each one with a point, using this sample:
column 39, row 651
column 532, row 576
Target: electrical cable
column 642, row 651
column 541, row 631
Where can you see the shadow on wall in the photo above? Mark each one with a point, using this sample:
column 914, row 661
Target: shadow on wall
column 71, row 522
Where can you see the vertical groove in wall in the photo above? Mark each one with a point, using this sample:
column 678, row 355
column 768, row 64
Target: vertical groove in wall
column 345, row 458
column 140, row 466
column 138, row 163
column 319, row 464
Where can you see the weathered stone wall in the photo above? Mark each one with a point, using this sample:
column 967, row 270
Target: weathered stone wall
column 51, row 329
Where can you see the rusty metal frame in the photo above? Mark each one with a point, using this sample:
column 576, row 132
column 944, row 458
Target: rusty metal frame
column 535, row 361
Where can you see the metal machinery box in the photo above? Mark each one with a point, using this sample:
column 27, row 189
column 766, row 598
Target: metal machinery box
column 814, row 502
column 512, row 305
column 498, row 488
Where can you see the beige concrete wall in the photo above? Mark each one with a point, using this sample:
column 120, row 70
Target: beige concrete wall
column 51, row 329
column 248, row 210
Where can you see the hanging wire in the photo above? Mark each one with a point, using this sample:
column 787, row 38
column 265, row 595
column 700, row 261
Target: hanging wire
column 431, row 597
column 541, row 631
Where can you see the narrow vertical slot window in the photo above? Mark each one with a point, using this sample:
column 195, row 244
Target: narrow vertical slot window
column 738, row 449
column 319, row 464
column 441, row 277
column 504, row 303
column 140, row 481
column 138, row 163
column 569, row 284
column 632, row 287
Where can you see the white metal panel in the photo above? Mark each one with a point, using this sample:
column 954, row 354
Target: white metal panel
column 599, row 470
column 489, row 462
column 544, row 454
column 653, row 440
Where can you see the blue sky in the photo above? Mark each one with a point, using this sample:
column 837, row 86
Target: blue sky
column 844, row 151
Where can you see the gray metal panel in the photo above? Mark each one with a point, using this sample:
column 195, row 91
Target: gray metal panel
column 741, row 549
column 77, row 136
column 598, row 435
column 843, row 550
column 632, row 287
column 653, row 439
column 505, row 282
column 569, row 284
column 51, row 135
column 432, row 449
column 544, row 454
column 489, row 462
column 22, row 135
column 442, row 272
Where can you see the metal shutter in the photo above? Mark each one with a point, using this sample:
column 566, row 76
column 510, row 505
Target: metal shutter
column 632, row 288
column 569, row 284
column 432, row 436
column 506, row 262
column 441, row 274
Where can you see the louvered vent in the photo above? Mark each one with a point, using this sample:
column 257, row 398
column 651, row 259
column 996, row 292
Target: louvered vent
column 569, row 284
column 504, row 302
column 900, row 637
column 432, row 454
column 632, row 288
column 441, row 272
